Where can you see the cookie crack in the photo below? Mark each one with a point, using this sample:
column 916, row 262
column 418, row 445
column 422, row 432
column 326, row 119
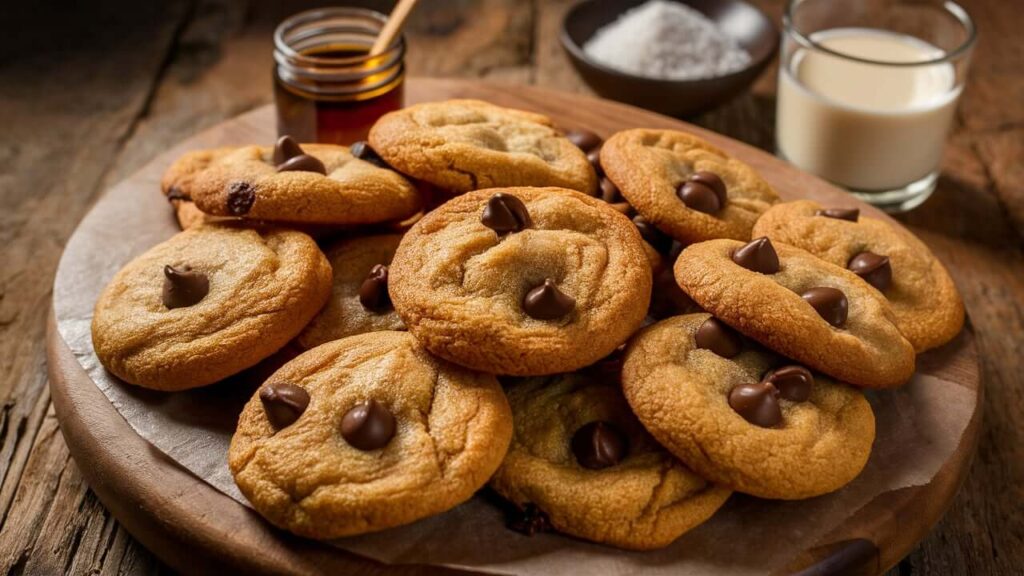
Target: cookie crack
column 651, row 507
column 472, row 177
column 438, row 459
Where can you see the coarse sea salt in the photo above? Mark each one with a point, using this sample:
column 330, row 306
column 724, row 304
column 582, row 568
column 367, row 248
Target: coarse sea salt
column 667, row 40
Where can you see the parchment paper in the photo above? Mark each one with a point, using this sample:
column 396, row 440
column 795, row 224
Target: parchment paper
column 919, row 427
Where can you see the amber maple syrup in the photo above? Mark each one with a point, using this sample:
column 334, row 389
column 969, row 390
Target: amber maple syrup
column 333, row 92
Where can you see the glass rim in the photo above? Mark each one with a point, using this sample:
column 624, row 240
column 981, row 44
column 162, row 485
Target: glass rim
column 948, row 6
column 308, row 16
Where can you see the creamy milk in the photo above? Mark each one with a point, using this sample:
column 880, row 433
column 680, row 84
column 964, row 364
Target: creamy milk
column 866, row 126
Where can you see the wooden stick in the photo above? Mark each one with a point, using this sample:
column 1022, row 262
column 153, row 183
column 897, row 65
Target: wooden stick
column 393, row 26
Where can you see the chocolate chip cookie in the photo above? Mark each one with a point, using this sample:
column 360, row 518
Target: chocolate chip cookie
column 581, row 458
column 522, row 281
column 311, row 183
column 359, row 300
column 925, row 301
column 208, row 303
column 796, row 304
column 463, row 145
column 741, row 416
column 366, row 433
column 686, row 187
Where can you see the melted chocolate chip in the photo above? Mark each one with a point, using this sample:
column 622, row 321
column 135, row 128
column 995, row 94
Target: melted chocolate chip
column 584, row 139
column 283, row 403
column 599, row 445
column 241, row 197
column 505, row 214
column 175, row 193
column 700, row 197
column 184, row 287
column 368, row 426
column 758, row 255
column 302, row 163
column 757, row 403
column 373, row 292
column 610, row 192
column 594, row 157
column 547, row 302
column 875, row 269
column 285, row 149
column 363, row 151
column 528, row 520
column 649, row 232
column 831, row 304
column 716, row 336
column 851, row 214
column 793, row 382
column 711, row 180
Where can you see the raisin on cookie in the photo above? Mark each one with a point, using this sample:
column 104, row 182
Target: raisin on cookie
column 314, row 183
column 581, row 458
column 522, row 281
column 741, row 416
column 208, row 303
column 463, row 145
column 684, row 186
column 367, row 433
column 798, row 305
column 359, row 299
column 926, row 303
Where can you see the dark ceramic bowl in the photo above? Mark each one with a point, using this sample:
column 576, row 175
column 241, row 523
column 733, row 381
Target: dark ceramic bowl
column 751, row 28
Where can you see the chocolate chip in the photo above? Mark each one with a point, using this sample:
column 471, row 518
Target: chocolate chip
column 793, row 382
column 594, row 157
column 610, row 192
column 302, row 163
column 649, row 232
column 529, row 520
column 757, row 403
column 716, row 336
column 547, row 302
column 875, row 269
column 368, row 426
column 373, row 292
column 584, row 139
column 283, row 403
column 758, row 255
column 851, row 214
column 598, row 445
column 699, row 197
column 711, row 180
column 505, row 214
column 831, row 304
column 184, row 287
column 286, row 149
column 364, row 152
column 241, row 196
column 175, row 193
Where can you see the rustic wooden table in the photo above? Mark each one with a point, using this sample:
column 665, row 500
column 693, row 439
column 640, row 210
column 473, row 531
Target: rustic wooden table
column 90, row 91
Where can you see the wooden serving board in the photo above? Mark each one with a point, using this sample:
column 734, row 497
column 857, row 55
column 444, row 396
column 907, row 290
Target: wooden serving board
column 196, row 528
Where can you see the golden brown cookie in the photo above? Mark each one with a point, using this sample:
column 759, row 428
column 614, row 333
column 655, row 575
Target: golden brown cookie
column 925, row 301
column 685, row 186
column 743, row 417
column 798, row 305
column 330, row 187
column 580, row 458
column 208, row 303
column 522, row 281
column 367, row 433
column 359, row 300
column 463, row 145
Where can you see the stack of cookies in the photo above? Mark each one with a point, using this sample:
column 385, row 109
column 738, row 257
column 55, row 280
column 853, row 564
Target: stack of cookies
column 612, row 335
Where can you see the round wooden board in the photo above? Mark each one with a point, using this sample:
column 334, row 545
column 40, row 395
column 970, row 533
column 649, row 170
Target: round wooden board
column 195, row 528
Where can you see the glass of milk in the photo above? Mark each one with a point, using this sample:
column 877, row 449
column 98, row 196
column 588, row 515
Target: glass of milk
column 868, row 91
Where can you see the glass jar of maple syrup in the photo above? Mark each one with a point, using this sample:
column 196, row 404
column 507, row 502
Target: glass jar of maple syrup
column 327, row 87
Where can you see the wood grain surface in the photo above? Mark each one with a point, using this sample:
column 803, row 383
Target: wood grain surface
column 91, row 91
